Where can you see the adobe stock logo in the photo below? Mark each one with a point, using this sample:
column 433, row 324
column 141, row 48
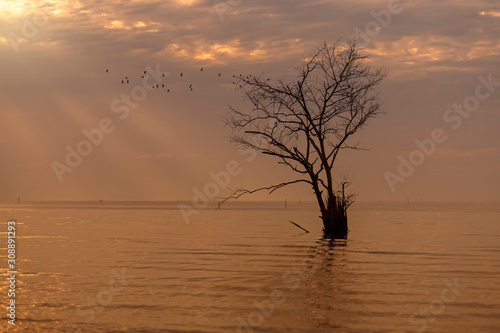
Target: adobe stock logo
column 29, row 30
column 427, row 147
column 227, row 6
column 220, row 181
column 121, row 107
column 382, row 19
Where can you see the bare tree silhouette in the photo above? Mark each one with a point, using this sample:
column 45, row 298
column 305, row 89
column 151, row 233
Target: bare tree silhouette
column 305, row 124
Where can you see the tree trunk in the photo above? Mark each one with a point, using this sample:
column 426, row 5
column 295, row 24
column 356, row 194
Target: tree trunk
column 335, row 218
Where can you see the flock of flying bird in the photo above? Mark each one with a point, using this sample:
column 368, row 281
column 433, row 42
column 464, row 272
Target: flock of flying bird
column 126, row 80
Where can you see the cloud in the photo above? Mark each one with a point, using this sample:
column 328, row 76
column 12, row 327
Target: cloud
column 116, row 24
column 424, row 33
column 490, row 13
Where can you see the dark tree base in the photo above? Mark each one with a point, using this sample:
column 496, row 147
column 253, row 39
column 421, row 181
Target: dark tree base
column 335, row 219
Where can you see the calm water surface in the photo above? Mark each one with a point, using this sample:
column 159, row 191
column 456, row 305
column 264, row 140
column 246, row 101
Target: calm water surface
column 138, row 267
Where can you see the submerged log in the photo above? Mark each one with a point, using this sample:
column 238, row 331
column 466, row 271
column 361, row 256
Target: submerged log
column 298, row 226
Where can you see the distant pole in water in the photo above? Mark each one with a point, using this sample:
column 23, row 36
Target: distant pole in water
column 408, row 200
column 18, row 200
column 285, row 203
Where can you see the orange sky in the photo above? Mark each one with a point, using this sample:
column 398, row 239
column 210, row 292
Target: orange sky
column 54, row 55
